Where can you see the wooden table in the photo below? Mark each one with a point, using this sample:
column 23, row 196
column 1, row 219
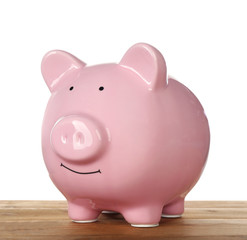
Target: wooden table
column 49, row 220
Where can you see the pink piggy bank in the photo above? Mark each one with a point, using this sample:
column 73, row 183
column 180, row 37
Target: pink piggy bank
column 122, row 137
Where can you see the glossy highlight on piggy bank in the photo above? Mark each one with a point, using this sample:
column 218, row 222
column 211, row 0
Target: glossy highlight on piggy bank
column 122, row 137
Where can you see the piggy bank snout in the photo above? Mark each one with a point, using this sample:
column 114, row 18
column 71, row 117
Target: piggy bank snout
column 77, row 138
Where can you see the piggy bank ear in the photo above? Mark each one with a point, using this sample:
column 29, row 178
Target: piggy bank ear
column 148, row 63
column 59, row 67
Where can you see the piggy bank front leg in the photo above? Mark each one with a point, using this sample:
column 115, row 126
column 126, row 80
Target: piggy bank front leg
column 81, row 211
column 143, row 216
column 175, row 209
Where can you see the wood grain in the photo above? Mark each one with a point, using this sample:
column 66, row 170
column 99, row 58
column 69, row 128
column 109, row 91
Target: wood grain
column 49, row 220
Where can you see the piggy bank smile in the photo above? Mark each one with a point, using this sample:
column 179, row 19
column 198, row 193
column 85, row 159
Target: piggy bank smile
column 62, row 165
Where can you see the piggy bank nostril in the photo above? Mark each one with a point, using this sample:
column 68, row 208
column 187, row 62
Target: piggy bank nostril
column 79, row 138
column 64, row 139
column 79, row 141
column 82, row 138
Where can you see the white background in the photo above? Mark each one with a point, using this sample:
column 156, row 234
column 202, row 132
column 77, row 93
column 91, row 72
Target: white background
column 205, row 47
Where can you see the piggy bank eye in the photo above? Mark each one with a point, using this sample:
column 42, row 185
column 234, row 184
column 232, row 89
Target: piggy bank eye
column 71, row 88
column 101, row 88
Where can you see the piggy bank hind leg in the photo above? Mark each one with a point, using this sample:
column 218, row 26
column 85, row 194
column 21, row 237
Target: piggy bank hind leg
column 143, row 216
column 175, row 209
column 81, row 211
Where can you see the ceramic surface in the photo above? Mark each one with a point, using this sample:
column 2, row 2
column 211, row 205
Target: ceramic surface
column 122, row 137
